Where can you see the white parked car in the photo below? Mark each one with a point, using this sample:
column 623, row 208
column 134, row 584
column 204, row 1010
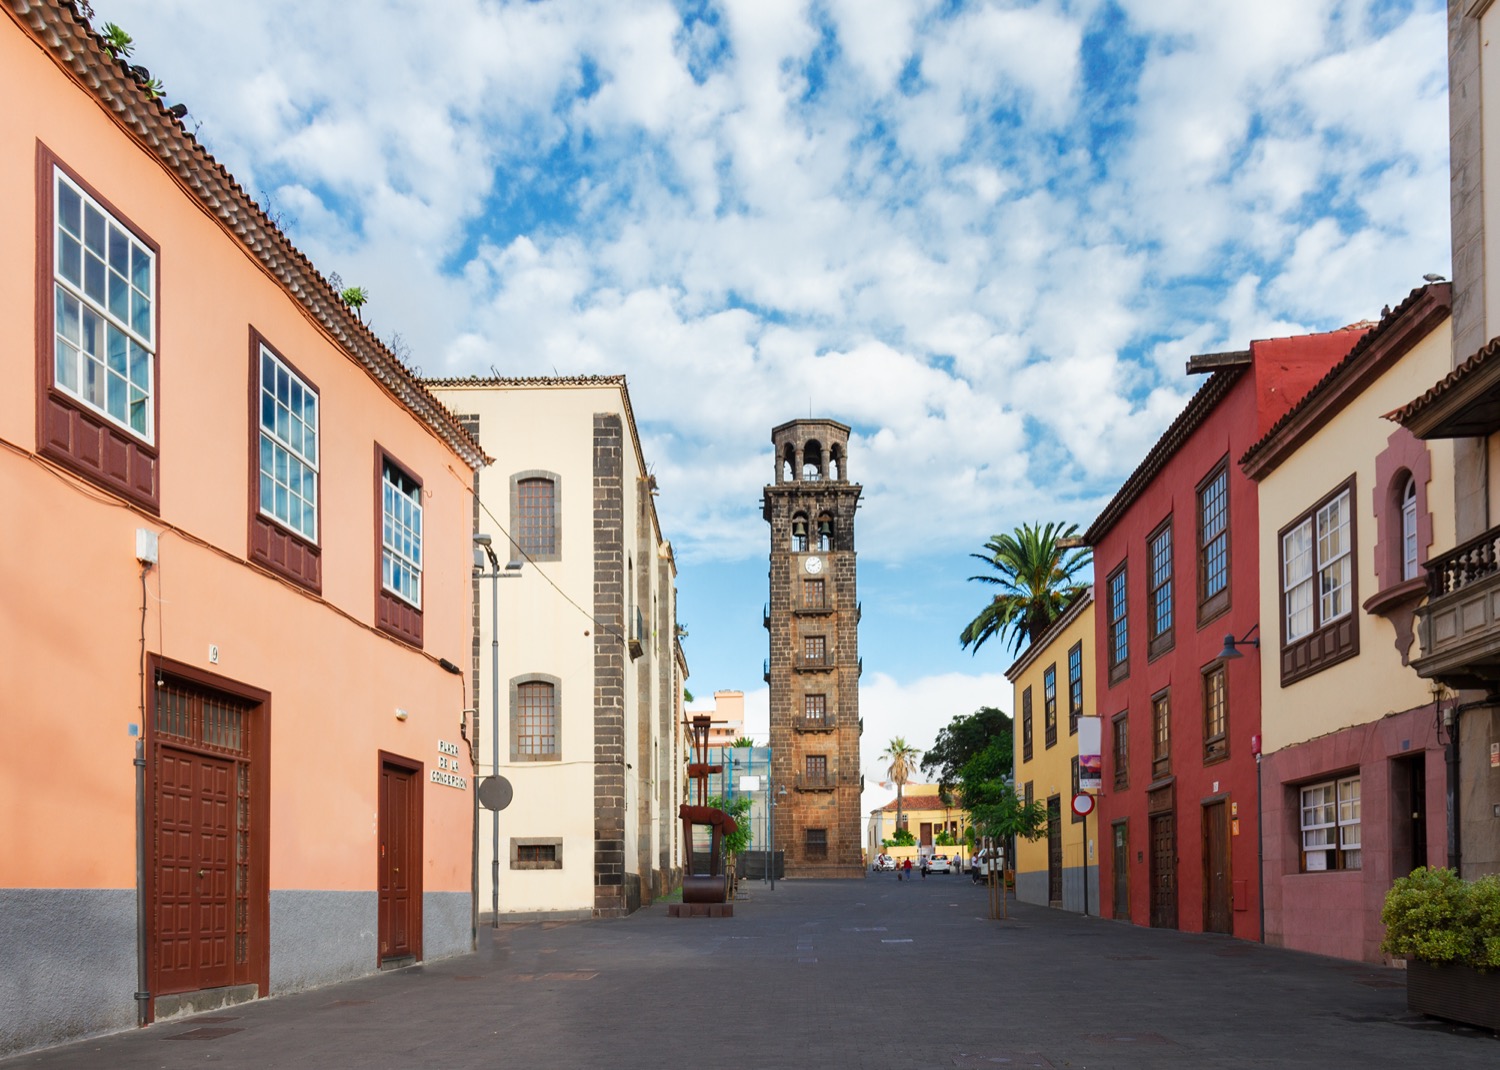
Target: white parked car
column 883, row 864
column 939, row 864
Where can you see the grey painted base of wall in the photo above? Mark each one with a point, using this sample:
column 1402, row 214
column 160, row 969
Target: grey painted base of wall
column 1032, row 888
column 67, row 965
column 318, row 938
column 68, row 957
column 446, row 917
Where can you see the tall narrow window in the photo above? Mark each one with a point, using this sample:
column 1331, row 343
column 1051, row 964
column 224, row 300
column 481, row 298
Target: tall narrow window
column 534, row 721
column 536, row 517
column 1160, row 596
column 815, row 710
column 1075, row 686
column 814, row 650
column 815, row 843
column 812, row 594
column 288, row 447
column 1120, row 750
column 1213, row 543
column 1049, row 704
column 401, row 535
column 1161, row 735
column 1026, row 725
column 1409, row 550
column 1215, row 714
column 1119, row 626
column 104, row 294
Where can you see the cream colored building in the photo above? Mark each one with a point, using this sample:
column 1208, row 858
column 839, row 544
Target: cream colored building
column 590, row 669
column 1054, row 686
column 1352, row 770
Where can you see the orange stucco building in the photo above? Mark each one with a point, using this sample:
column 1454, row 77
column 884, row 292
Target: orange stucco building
column 231, row 756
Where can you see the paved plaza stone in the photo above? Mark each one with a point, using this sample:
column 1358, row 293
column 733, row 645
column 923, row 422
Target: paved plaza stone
column 874, row 974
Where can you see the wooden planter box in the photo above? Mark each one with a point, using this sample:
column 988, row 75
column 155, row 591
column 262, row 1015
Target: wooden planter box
column 1458, row 993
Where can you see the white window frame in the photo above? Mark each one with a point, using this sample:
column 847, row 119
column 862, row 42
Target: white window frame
column 287, row 437
column 1319, row 548
column 1409, row 563
column 400, row 535
column 103, row 343
column 1329, row 820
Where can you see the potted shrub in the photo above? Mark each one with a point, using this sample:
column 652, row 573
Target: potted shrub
column 1448, row 930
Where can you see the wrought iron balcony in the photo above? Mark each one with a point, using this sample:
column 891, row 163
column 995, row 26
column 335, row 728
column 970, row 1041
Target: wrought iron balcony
column 826, row 723
column 1459, row 626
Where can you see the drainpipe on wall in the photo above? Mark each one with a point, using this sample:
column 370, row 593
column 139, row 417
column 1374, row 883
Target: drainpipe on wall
column 142, row 981
column 1450, row 793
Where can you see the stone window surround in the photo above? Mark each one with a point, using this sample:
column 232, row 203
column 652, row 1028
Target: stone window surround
column 515, row 514
column 515, row 713
column 517, row 842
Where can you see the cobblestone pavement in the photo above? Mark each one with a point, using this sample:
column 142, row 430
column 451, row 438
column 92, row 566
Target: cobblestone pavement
column 874, row 974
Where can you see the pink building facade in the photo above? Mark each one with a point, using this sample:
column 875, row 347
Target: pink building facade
column 236, row 585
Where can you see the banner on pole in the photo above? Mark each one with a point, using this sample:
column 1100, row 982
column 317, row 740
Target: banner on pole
column 1090, row 758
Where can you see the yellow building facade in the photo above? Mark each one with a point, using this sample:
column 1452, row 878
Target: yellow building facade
column 1054, row 686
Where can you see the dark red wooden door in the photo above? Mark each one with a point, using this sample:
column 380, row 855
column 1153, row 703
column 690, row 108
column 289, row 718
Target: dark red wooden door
column 1216, row 902
column 398, row 861
column 195, row 899
column 1164, row 871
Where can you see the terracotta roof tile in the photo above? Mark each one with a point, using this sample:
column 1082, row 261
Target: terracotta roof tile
column 63, row 33
column 1446, row 383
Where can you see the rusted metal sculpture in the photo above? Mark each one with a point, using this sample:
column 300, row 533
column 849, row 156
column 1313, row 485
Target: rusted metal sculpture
column 705, row 887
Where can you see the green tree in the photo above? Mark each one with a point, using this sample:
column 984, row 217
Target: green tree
column 903, row 757
column 965, row 736
column 1036, row 568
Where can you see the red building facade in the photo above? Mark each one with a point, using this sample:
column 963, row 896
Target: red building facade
column 1175, row 571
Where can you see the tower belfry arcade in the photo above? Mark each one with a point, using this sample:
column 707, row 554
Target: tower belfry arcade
column 814, row 668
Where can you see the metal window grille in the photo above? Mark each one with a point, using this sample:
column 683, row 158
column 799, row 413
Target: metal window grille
column 536, row 720
column 536, row 520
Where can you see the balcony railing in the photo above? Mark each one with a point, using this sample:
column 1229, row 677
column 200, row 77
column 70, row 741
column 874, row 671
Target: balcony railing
column 826, row 723
column 827, row 781
column 1460, row 624
column 766, row 670
column 1464, row 565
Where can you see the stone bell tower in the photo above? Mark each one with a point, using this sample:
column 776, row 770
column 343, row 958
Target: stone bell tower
column 814, row 668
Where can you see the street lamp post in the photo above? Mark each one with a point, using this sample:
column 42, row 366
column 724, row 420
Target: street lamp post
column 483, row 549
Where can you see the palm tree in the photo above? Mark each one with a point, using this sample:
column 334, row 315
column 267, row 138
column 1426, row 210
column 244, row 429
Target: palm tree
column 1036, row 569
column 903, row 758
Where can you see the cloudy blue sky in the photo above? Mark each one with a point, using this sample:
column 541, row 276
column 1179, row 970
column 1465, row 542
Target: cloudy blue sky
column 985, row 235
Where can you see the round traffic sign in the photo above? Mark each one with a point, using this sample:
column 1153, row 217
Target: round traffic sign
column 495, row 793
column 1083, row 804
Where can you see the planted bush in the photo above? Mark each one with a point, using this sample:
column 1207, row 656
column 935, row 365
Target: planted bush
column 1436, row 916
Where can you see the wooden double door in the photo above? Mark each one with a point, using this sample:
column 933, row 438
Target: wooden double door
column 207, row 888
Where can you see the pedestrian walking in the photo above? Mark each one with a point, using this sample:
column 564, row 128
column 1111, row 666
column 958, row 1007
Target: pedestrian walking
column 906, row 868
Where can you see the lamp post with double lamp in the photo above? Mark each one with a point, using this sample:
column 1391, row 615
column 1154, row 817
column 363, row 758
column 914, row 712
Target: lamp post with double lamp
column 484, row 550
